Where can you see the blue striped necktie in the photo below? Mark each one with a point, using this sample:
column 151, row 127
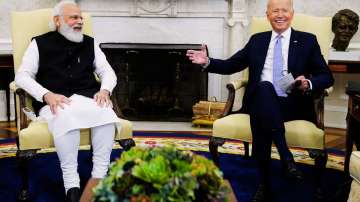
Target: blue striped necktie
column 278, row 65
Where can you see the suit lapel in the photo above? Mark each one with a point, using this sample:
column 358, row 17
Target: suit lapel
column 293, row 51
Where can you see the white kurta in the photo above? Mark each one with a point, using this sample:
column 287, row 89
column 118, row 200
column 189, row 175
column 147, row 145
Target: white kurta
column 83, row 112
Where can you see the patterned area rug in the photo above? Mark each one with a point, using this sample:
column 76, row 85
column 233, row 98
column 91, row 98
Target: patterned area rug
column 194, row 142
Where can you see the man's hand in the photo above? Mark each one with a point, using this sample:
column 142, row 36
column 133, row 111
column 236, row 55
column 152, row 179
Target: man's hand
column 198, row 57
column 54, row 100
column 304, row 86
column 103, row 98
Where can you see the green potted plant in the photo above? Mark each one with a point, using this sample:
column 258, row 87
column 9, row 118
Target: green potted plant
column 161, row 174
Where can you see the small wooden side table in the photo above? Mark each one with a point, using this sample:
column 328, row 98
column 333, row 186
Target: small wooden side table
column 353, row 125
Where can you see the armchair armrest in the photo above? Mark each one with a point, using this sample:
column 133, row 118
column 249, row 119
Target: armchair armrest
column 21, row 93
column 12, row 86
column 232, row 87
column 116, row 107
column 329, row 90
column 22, row 103
column 319, row 106
column 237, row 84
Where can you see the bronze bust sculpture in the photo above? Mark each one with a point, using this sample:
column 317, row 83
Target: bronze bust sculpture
column 344, row 25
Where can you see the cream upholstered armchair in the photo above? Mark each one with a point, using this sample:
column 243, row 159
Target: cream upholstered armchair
column 354, row 195
column 299, row 133
column 35, row 135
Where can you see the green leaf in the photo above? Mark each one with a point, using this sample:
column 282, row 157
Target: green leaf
column 156, row 171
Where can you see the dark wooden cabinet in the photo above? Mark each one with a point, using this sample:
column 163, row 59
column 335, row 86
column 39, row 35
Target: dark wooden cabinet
column 353, row 127
column 343, row 66
column 6, row 76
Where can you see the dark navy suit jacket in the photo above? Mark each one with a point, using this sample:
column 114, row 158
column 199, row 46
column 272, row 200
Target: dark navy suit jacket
column 304, row 58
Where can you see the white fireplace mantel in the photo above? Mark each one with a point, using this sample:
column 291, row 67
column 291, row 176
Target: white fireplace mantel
column 220, row 24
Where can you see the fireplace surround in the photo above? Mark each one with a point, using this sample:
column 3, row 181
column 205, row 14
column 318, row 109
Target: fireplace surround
column 155, row 82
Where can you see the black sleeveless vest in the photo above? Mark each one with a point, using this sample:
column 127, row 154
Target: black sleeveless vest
column 65, row 67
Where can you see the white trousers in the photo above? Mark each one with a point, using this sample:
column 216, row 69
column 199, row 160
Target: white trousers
column 67, row 146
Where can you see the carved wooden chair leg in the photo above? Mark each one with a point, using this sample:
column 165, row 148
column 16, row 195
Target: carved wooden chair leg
column 23, row 157
column 246, row 148
column 321, row 157
column 214, row 143
column 126, row 144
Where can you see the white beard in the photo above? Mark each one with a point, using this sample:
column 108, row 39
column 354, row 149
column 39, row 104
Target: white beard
column 70, row 34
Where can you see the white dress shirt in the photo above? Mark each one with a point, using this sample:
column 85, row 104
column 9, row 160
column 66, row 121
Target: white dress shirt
column 267, row 73
column 25, row 76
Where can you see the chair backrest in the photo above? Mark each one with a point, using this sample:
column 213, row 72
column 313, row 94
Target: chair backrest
column 27, row 24
column 320, row 26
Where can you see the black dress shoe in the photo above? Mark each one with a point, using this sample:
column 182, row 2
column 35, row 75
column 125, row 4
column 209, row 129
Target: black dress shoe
column 262, row 194
column 73, row 195
column 291, row 171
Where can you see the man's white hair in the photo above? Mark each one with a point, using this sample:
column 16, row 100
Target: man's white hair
column 58, row 10
column 290, row 1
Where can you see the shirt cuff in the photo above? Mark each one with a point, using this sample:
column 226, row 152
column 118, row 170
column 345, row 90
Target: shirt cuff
column 204, row 66
column 41, row 94
column 105, row 88
column 310, row 84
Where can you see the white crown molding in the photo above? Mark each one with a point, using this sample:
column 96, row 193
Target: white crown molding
column 159, row 7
